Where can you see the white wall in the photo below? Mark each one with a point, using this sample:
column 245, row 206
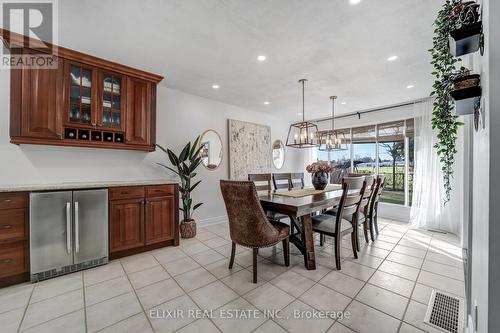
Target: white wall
column 481, row 185
column 180, row 118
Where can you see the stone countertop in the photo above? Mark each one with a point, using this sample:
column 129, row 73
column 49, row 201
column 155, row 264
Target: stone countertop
column 80, row 185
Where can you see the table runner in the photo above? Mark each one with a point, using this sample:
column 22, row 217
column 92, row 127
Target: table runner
column 308, row 191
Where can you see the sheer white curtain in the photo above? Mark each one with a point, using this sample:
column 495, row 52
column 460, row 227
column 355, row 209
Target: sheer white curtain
column 428, row 210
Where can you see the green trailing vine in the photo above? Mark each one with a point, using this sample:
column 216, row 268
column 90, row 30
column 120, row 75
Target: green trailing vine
column 443, row 117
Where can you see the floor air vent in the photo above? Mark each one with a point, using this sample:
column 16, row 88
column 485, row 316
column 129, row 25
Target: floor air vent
column 445, row 312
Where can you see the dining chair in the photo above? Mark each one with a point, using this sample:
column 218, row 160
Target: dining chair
column 336, row 176
column 372, row 211
column 337, row 225
column 262, row 183
column 248, row 224
column 360, row 217
column 281, row 181
column 297, row 180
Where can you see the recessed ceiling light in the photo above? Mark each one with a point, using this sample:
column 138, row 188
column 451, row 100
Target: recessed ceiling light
column 261, row 58
column 299, row 114
column 343, row 103
column 354, row 2
column 410, row 86
column 266, row 103
column 215, row 86
column 392, row 58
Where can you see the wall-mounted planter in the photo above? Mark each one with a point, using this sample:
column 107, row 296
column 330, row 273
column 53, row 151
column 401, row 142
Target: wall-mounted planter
column 467, row 40
column 467, row 101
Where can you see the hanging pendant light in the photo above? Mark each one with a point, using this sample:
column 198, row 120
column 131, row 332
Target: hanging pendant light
column 305, row 133
column 331, row 140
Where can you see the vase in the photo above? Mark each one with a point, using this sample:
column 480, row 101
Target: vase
column 188, row 229
column 319, row 180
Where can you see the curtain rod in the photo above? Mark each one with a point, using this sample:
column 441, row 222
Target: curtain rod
column 383, row 108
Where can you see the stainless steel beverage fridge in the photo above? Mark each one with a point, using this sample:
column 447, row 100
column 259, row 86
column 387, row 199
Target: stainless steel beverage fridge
column 68, row 231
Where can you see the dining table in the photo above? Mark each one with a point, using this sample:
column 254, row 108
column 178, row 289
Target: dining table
column 299, row 209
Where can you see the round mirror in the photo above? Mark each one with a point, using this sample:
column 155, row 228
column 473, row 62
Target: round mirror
column 211, row 151
column 278, row 154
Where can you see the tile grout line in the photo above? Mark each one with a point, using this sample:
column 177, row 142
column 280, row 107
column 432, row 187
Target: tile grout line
column 185, row 292
column 25, row 310
column 415, row 285
column 84, row 303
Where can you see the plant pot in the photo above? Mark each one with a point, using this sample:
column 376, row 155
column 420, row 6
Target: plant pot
column 188, row 229
column 319, row 180
column 467, row 81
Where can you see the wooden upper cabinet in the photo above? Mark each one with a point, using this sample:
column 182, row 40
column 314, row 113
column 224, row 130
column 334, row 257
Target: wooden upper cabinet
column 111, row 111
column 80, row 102
column 36, row 103
column 86, row 101
column 139, row 112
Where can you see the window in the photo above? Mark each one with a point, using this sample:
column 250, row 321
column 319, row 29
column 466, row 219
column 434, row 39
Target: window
column 385, row 149
column 364, row 158
column 392, row 166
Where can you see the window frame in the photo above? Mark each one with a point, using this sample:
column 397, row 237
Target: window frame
column 405, row 136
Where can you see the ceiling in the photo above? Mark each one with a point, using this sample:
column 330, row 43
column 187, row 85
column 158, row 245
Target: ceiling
column 341, row 48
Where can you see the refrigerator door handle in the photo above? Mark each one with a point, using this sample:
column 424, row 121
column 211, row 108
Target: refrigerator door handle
column 77, row 227
column 68, row 227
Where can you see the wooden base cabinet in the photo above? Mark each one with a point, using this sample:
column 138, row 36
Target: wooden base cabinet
column 142, row 218
column 126, row 224
column 14, row 240
column 159, row 219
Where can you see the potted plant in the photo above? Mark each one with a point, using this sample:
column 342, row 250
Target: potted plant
column 463, row 79
column 319, row 174
column 186, row 163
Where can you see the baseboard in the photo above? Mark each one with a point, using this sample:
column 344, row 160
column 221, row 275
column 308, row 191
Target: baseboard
column 212, row 220
column 394, row 212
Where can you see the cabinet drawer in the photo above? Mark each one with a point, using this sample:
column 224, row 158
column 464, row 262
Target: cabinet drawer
column 13, row 224
column 128, row 192
column 160, row 190
column 13, row 259
column 13, row 200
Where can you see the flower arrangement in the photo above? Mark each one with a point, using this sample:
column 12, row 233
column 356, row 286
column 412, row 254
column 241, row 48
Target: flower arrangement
column 320, row 166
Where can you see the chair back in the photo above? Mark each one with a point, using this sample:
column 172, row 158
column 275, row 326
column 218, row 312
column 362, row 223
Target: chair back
column 297, row 180
column 352, row 193
column 367, row 194
column 377, row 192
column 281, row 181
column 248, row 224
column 337, row 175
column 262, row 182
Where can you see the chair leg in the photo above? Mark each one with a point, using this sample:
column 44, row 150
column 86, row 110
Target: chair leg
column 321, row 239
column 337, row 241
column 365, row 230
column 286, row 251
column 370, row 226
column 354, row 244
column 255, row 252
column 356, row 237
column 375, row 219
column 233, row 252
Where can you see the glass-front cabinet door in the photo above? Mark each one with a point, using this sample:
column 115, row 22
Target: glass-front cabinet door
column 111, row 115
column 81, row 104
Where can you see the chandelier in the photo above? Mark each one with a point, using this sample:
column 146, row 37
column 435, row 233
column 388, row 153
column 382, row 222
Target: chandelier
column 330, row 140
column 305, row 133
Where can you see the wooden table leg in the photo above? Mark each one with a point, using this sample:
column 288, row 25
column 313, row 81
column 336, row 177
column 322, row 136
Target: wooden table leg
column 308, row 239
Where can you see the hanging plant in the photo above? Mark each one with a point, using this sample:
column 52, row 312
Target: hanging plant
column 443, row 117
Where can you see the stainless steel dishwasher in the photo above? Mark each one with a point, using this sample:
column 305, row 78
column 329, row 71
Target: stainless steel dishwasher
column 68, row 232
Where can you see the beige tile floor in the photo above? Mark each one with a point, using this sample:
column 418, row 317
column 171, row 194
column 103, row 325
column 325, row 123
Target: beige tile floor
column 385, row 290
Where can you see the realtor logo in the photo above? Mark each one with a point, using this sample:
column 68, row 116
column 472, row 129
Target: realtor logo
column 36, row 20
